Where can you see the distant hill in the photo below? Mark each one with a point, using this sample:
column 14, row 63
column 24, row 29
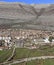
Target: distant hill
column 34, row 16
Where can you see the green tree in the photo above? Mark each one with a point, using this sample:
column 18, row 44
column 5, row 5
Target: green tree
column 2, row 42
column 50, row 38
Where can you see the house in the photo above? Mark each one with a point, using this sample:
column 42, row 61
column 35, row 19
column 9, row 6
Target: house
column 46, row 40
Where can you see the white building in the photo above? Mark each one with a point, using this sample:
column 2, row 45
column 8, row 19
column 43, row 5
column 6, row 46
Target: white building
column 6, row 39
column 46, row 40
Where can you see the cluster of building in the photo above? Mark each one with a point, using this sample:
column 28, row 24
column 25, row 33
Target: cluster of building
column 20, row 37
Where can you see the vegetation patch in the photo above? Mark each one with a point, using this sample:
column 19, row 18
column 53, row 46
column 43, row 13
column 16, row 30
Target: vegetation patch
column 5, row 54
column 38, row 62
column 24, row 53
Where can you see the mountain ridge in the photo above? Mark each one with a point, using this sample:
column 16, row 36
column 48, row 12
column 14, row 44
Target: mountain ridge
column 33, row 15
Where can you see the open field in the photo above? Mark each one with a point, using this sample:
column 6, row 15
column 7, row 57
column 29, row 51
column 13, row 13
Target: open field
column 38, row 62
column 42, row 51
column 21, row 53
column 5, row 54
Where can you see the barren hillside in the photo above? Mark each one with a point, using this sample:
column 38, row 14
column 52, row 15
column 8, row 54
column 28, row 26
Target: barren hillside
column 34, row 16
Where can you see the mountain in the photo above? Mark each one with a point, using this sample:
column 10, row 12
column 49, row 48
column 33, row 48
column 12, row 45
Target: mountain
column 34, row 16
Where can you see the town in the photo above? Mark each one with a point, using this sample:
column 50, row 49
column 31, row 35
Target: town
column 23, row 38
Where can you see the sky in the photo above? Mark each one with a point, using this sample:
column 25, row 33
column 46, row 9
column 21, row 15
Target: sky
column 31, row 1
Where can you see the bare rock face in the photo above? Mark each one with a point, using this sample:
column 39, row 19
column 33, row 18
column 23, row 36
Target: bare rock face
column 34, row 16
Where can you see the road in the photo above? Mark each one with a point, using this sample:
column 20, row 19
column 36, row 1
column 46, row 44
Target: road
column 29, row 59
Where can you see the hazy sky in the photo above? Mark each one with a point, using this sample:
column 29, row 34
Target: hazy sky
column 30, row 1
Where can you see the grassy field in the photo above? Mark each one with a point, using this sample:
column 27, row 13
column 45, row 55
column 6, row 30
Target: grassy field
column 43, row 51
column 23, row 53
column 5, row 55
column 38, row 62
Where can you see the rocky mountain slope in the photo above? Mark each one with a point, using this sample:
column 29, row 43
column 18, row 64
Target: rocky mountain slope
column 34, row 16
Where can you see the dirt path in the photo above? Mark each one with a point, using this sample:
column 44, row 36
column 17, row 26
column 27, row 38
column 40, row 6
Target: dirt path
column 29, row 59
